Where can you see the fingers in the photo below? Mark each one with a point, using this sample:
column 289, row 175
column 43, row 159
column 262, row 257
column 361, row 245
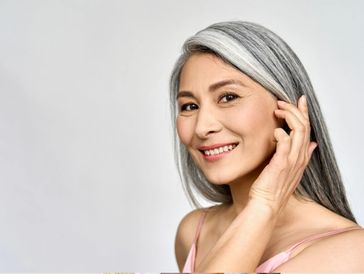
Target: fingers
column 311, row 148
column 282, row 175
column 283, row 141
column 302, row 105
column 279, row 160
column 300, row 112
column 297, row 120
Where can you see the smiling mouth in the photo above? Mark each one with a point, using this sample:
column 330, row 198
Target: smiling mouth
column 219, row 150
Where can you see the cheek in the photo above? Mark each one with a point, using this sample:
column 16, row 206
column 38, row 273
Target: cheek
column 263, row 120
column 241, row 120
column 254, row 120
column 184, row 129
column 262, row 124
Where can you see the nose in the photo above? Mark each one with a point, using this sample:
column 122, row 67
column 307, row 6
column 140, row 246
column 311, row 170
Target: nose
column 207, row 123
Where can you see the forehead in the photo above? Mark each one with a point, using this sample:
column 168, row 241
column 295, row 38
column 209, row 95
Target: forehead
column 206, row 66
column 202, row 69
column 206, row 71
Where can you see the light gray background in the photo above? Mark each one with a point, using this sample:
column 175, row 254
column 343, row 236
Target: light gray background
column 87, row 177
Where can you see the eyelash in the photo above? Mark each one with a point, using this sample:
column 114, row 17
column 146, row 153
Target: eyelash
column 222, row 96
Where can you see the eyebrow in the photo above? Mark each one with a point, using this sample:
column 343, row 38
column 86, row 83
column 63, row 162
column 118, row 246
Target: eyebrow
column 212, row 88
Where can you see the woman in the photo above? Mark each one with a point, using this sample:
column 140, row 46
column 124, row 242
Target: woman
column 252, row 139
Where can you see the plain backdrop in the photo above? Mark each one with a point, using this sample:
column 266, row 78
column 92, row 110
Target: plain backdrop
column 87, row 174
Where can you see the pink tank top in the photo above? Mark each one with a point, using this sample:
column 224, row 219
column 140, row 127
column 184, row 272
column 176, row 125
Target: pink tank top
column 270, row 264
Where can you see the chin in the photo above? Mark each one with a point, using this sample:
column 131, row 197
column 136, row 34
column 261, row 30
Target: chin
column 221, row 179
column 231, row 176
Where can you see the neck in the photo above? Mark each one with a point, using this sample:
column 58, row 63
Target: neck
column 240, row 189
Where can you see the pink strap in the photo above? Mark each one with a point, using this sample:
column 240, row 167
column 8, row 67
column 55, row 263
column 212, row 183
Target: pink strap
column 280, row 258
column 199, row 226
column 321, row 235
column 189, row 266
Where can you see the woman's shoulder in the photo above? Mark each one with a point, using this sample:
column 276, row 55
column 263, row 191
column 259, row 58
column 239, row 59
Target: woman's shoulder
column 342, row 252
column 186, row 231
column 188, row 224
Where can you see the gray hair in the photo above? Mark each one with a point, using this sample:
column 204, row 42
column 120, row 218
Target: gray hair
column 267, row 59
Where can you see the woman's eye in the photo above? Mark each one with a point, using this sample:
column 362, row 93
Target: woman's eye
column 188, row 107
column 229, row 97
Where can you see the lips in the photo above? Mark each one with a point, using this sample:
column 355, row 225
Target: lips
column 203, row 148
column 212, row 155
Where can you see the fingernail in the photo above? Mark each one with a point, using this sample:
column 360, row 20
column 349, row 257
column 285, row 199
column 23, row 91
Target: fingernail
column 304, row 98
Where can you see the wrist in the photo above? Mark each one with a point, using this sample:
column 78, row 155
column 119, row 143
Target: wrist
column 263, row 209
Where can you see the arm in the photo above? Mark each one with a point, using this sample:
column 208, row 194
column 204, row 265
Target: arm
column 243, row 243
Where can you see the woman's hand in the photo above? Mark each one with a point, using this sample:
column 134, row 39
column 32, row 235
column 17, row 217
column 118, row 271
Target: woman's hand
column 242, row 245
column 280, row 177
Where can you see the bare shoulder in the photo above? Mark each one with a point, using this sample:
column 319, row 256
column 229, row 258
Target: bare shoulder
column 340, row 253
column 185, row 235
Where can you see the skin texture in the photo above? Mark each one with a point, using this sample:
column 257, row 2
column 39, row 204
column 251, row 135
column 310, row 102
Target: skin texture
column 262, row 172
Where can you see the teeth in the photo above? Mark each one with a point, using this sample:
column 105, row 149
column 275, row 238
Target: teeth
column 219, row 150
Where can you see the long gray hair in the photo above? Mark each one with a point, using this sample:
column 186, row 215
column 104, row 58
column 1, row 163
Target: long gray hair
column 267, row 59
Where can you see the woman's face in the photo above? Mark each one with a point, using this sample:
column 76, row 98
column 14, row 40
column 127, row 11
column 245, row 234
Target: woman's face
column 219, row 105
